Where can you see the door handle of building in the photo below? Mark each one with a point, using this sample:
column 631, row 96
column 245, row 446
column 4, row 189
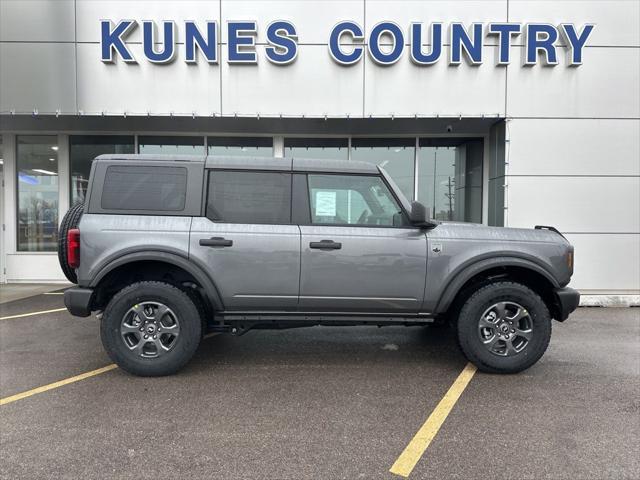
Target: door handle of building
column 326, row 245
column 216, row 242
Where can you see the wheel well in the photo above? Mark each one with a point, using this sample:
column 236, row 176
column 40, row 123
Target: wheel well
column 534, row 280
column 145, row 270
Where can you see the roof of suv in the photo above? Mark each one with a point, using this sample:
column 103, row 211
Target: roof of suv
column 257, row 163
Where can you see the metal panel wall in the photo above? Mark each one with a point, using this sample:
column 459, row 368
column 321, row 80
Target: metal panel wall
column 313, row 19
column 37, row 77
column 567, row 147
column 90, row 12
column 617, row 21
column 574, row 145
column 604, row 86
column 405, row 89
column 145, row 88
column 312, row 85
column 37, row 21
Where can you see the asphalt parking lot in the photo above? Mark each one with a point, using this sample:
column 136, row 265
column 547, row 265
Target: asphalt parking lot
column 321, row 402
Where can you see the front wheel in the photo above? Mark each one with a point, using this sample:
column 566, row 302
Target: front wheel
column 504, row 327
column 151, row 329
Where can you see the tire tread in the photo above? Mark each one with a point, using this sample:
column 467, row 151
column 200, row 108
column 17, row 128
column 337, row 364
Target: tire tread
column 470, row 303
column 69, row 221
column 149, row 369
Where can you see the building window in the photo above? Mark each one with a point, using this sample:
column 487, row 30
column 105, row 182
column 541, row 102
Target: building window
column 171, row 145
column 240, row 146
column 37, row 167
column 82, row 151
column 450, row 178
column 330, row 148
column 352, row 200
column 249, row 197
column 395, row 155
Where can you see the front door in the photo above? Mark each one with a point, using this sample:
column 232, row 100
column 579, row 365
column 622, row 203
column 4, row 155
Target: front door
column 247, row 242
column 358, row 254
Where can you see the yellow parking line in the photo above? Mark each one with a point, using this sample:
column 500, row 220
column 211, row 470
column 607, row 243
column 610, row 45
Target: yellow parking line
column 420, row 442
column 32, row 313
column 66, row 381
column 61, row 383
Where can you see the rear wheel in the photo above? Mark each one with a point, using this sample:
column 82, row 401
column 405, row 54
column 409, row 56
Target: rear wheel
column 69, row 221
column 504, row 327
column 151, row 329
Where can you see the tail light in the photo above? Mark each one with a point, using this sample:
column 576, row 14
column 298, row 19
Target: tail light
column 73, row 248
column 570, row 261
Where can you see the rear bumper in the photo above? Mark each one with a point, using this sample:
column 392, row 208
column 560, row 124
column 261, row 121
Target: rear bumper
column 568, row 300
column 78, row 301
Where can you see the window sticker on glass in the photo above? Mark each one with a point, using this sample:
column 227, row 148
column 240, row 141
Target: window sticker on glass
column 325, row 204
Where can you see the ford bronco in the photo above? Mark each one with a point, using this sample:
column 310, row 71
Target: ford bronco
column 170, row 248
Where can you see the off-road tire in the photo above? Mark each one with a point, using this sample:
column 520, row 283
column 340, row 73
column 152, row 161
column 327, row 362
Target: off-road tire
column 482, row 299
column 69, row 221
column 186, row 343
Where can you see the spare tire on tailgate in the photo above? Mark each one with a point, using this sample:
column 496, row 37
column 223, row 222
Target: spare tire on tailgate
column 69, row 221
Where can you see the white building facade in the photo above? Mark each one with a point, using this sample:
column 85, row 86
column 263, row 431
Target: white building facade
column 504, row 112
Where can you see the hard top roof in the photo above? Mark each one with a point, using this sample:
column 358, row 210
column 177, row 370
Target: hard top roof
column 256, row 163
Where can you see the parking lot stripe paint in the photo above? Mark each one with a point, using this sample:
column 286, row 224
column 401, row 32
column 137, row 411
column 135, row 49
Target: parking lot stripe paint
column 33, row 313
column 420, row 442
column 61, row 383
column 53, row 293
column 67, row 381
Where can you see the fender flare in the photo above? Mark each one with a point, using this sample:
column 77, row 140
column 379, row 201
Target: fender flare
column 466, row 272
column 209, row 286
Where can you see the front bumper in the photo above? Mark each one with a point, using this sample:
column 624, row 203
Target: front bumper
column 78, row 301
column 567, row 300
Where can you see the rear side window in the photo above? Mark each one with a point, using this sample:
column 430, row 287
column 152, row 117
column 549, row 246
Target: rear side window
column 249, row 197
column 144, row 188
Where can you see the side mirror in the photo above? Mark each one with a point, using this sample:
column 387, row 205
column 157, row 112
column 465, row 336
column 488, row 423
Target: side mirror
column 419, row 215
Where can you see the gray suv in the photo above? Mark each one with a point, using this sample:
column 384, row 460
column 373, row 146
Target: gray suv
column 169, row 248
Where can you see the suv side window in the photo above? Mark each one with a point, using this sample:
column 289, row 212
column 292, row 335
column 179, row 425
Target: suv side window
column 128, row 187
column 249, row 197
column 352, row 200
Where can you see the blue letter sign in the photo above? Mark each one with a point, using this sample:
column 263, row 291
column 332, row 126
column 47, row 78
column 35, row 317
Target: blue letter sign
column 282, row 37
column 193, row 39
column 111, row 39
column 346, row 42
column 242, row 35
column 334, row 43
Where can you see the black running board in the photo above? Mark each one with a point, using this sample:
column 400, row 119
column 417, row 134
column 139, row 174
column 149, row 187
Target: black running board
column 239, row 323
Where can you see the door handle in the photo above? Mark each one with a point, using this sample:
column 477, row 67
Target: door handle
column 326, row 245
column 216, row 242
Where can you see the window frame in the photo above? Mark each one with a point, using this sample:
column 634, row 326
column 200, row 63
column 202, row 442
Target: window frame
column 206, row 191
column 302, row 203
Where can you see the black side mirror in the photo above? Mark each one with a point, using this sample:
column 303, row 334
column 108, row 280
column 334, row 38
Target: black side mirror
column 419, row 216
column 418, row 213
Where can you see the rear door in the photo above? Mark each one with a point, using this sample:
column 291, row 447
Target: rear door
column 246, row 240
column 358, row 253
